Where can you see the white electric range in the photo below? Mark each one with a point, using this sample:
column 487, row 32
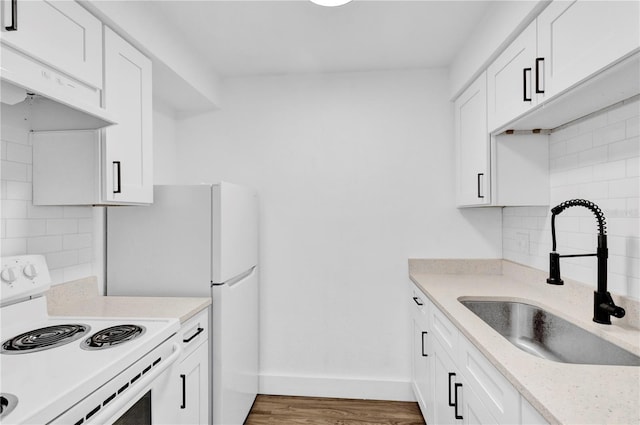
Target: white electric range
column 77, row 370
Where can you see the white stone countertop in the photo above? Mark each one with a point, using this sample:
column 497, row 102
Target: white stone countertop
column 80, row 299
column 563, row 393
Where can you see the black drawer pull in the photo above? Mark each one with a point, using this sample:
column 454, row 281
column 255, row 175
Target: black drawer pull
column 423, row 353
column 14, row 16
column 451, row 374
column 539, row 88
column 524, row 84
column 184, row 391
column 478, row 180
column 457, row 385
column 118, row 178
column 418, row 301
column 200, row 330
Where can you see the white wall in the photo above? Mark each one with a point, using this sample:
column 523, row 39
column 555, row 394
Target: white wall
column 164, row 145
column 355, row 175
column 596, row 159
column 64, row 235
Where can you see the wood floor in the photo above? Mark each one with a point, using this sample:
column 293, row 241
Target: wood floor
column 286, row 410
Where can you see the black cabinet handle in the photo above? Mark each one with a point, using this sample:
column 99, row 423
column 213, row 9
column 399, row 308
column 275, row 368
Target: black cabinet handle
column 457, row 385
column 118, row 182
column 423, row 353
column 451, row 374
column 184, row 391
column 538, row 85
column 418, row 301
column 524, row 84
column 14, row 16
column 479, row 194
column 200, row 330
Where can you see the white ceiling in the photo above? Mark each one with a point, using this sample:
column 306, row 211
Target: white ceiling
column 238, row 37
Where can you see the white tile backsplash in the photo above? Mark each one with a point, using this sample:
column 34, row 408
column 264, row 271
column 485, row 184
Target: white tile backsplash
column 64, row 235
column 597, row 158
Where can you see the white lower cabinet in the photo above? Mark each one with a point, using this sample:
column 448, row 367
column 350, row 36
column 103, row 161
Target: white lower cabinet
column 445, row 379
column 421, row 357
column 463, row 387
column 191, row 374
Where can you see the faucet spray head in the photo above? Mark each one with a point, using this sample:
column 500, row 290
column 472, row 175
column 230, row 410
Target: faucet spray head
column 554, row 269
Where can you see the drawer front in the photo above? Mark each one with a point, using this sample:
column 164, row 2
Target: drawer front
column 445, row 331
column 194, row 332
column 496, row 393
column 61, row 34
column 418, row 302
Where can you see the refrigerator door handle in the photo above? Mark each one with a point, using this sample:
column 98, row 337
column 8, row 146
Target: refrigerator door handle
column 235, row 279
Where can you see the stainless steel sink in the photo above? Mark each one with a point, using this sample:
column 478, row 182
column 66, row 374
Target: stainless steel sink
column 548, row 336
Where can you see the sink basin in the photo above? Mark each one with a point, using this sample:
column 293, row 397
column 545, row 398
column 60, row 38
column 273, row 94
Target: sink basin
column 543, row 334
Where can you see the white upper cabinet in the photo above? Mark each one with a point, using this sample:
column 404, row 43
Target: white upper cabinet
column 61, row 34
column 127, row 147
column 113, row 166
column 511, row 80
column 472, row 145
column 579, row 38
column 568, row 46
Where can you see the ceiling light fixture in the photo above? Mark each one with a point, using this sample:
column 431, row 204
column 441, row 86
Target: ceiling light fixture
column 330, row 3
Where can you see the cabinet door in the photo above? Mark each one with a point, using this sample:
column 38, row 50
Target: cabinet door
column 128, row 156
column 472, row 145
column 193, row 379
column 445, row 377
column 421, row 365
column 472, row 410
column 61, row 34
column 493, row 398
column 579, row 38
column 511, row 80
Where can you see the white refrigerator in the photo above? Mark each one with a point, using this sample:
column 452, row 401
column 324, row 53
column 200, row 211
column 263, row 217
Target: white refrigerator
column 198, row 241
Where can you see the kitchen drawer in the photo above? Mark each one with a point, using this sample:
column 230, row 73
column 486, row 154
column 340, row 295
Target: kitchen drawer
column 418, row 301
column 194, row 332
column 445, row 331
column 496, row 393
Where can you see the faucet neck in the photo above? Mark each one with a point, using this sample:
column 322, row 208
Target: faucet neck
column 602, row 254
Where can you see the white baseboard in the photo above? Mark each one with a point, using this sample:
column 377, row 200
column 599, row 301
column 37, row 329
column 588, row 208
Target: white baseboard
column 314, row 386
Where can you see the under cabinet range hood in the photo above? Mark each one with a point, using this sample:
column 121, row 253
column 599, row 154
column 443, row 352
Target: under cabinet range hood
column 47, row 98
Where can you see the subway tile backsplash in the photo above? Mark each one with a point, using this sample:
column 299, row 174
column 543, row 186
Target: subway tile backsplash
column 64, row 235
column 597, row 158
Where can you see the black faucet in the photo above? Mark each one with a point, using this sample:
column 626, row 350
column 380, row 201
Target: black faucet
column 603, row 305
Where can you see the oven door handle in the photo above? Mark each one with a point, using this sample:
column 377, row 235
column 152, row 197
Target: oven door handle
column 115, row 407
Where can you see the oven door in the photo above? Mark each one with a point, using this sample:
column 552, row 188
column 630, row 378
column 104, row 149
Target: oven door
column 144, row 393
column 155, row 402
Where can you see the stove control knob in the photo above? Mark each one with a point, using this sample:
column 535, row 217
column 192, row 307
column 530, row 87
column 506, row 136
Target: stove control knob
column 30, row 271
column 8, row 275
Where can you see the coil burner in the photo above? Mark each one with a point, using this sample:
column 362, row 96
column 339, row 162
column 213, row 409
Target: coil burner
column 44, row 338
column 8, row 402
column 112, row 336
